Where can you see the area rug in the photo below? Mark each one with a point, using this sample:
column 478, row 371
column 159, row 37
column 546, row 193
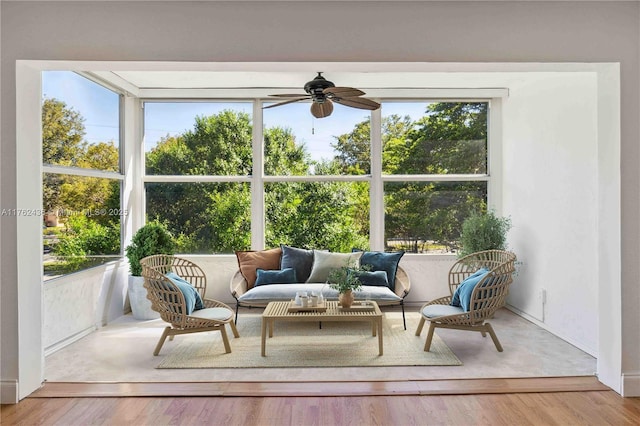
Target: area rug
column 305, row 344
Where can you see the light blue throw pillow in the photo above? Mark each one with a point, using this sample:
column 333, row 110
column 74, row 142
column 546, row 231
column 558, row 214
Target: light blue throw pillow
column 462, row 295
column 276, row 276
column 192, row 298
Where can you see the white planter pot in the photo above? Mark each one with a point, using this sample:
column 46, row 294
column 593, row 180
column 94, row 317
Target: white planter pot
column 140, row 305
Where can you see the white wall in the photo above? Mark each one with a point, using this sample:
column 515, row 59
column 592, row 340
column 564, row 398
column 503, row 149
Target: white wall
column 76, row 304
column 475, row 32
column 550, row 190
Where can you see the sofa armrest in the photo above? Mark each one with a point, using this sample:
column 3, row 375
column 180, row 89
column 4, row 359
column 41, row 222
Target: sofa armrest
column 403, row 283
column 237, row 285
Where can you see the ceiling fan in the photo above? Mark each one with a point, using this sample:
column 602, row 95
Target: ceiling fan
column 323, row 93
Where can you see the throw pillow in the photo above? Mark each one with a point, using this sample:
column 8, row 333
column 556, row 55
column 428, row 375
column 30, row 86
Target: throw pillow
column 250, row 261
column 373, row 278
column 284, row 276
column 299, row 259
column 462, row 295
column 324, row 262
column 192, row 298
column 381, row 261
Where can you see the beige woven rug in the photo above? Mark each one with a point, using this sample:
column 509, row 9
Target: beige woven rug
column 347, row 344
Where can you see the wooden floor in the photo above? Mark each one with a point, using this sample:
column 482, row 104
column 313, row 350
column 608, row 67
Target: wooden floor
column 533, row 401
column 550, row 408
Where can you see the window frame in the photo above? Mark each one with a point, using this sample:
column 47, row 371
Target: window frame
column 376, row 178
column 96, row 173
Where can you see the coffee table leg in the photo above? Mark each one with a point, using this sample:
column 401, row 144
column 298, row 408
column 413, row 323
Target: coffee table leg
column 380, row 337
column 374, row 326
column 264, row 337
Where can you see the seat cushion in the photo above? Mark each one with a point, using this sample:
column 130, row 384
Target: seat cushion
column 434, row 311
column 283, row 292
column 250, row 261
column 299, row 259
column 220, row 314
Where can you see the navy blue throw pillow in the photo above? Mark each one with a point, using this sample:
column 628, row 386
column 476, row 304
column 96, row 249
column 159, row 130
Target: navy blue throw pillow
column 299, row 259
column 373, row 278
column 283, row 276
column 381, row 261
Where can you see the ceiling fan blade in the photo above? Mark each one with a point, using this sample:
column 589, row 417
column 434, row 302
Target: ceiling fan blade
column 290, row 95
column 343, row 92
column 362, row 103
column 320, row 110
column 286, row 102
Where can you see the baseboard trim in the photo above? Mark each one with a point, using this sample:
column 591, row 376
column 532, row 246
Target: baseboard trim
column 9, row 392
column 68, row 340
column 320, row 388
column 631, row 384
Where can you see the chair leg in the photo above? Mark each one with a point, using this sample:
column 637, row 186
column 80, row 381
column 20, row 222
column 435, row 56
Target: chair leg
column 420, row 325
column 493, row 336
column 404, row 320
column 225, row 339
column 427, row 344
column 237, row 306
column 161, row 341
column 232, row 324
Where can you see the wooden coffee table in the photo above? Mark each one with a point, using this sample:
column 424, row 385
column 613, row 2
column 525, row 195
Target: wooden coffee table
column 278, row 311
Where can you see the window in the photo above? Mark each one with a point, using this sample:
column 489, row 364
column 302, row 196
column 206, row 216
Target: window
column 438, row 152
column 308, row 182
column 82, row 173
column 198, row 138
column 308, row 146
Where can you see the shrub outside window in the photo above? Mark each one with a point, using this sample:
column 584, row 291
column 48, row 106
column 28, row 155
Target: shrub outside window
column 434, row 170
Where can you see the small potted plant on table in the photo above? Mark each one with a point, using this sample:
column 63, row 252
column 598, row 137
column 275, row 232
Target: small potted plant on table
column 345, row 280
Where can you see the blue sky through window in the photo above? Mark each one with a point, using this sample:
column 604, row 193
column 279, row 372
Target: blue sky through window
column 97, row 105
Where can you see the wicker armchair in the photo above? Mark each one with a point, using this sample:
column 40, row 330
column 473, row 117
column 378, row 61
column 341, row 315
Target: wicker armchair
column 488, row 295
column 167, row 299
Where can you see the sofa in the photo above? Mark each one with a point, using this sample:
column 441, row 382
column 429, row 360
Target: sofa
column 278, row 274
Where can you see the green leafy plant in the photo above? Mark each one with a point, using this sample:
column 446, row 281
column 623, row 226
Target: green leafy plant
column 484, row 232
column 346, row 278
column 152, row 238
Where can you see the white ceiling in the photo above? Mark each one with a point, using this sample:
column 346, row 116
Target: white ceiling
column 261, row 79
column 245, row 79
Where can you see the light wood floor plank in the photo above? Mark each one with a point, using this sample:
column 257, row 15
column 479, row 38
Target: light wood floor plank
column 537, row 409
column 325, row 388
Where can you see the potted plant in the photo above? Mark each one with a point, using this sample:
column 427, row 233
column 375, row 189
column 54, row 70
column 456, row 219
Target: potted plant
column 345, row 280
column 484, row 232
column 152, row 238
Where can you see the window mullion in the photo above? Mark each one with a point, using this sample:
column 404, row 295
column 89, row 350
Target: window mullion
column 376, row 189
column 257, row 182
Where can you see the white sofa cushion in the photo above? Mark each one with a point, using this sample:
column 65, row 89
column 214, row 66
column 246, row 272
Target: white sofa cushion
column 284, row 292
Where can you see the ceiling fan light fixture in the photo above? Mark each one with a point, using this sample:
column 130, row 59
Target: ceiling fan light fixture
column 321, row 110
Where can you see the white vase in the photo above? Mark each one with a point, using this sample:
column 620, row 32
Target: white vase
column 140, row 305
